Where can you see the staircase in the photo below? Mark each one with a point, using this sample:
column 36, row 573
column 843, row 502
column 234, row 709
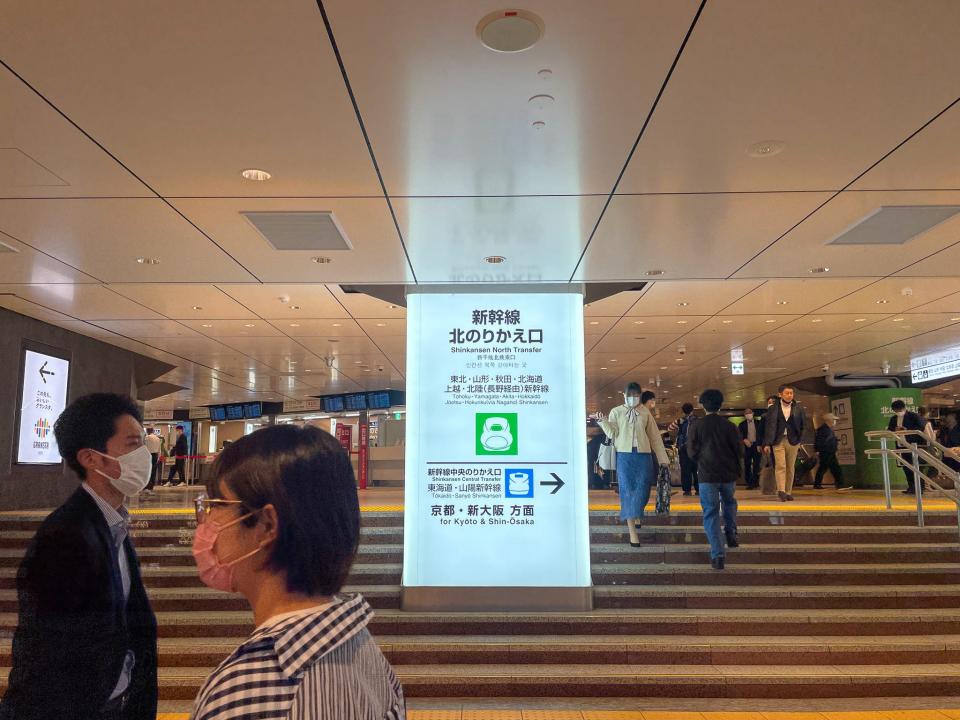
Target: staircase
column 811, row 605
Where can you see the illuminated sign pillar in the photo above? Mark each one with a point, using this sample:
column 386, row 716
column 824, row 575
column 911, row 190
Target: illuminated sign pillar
column 495, row 500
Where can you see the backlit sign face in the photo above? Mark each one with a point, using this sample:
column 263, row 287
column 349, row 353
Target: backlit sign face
column 936, row 366
column 496, row 453
column 42, row 398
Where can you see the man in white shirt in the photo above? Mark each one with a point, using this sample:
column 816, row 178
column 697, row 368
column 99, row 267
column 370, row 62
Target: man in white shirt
column 152, row 441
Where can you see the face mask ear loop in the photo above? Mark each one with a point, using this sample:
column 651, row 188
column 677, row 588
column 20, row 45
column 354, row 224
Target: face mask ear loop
column 221, row 528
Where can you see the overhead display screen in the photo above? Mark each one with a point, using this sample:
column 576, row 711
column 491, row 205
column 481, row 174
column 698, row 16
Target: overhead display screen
column 333, row 403
column 355, row 401
column 937, row 366
column 252, row 411
column 43, row 397
column 218, row 413
column 379, row 400
column 234, row 412
column 496, row 457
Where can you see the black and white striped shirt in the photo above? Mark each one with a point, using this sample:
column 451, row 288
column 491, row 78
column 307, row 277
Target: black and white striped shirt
column 309, row 666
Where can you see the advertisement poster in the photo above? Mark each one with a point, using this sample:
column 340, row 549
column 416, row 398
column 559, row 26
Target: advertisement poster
column 43, row 397
column 846, row 439
column 495, row 493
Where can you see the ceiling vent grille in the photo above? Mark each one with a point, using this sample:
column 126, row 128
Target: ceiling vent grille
column 895, row 224
column 299, row 230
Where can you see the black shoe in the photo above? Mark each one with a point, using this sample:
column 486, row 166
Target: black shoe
column 687, row 493
column 732, row 541
column 717, row 563
column 817, row 486
column 634, row 544
column 789, row 497
column 782, row 495
column 908, row 491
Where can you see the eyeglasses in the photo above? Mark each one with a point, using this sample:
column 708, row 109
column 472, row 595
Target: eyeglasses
column 203, row 505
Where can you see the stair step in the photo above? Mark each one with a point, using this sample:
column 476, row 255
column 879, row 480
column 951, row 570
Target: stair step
column 656, row 680
column 781, row 554
column 772, row 574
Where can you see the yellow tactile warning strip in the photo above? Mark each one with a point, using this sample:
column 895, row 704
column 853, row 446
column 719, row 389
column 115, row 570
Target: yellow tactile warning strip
column 659, row 715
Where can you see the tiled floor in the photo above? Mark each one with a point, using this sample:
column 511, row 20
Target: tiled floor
column 499, row 714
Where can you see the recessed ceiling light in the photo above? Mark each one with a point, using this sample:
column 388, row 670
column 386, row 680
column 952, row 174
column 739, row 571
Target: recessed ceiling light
column 510, row 31
column 614, row 360
column 817, row 320
column 723, row 367
column 337, row 324
column 206, row 325
column 954, row 319
column 366, row 369
column 679, row 359
column 538, row 124
column 654, row 273
column 594, row 322
column 766, row 148
column 249, row 325
column 679, row 386
column 860, row 320
column 603, row 368
column 294, row 307
column 308, row 370
column 682, row 304
column 770, row 321
column 255, row 174
column 664, row 367
column 294, row 324
column 726, row 322
column 494, row 259
column 358, row 362
column 881, row 301
column 381, row 324
column 197, row 307
column 148, row 261
column 639, row 322
column 898, row 319
column 321, row 260
column 819, row 270
column 682, row 322
column 783, row 302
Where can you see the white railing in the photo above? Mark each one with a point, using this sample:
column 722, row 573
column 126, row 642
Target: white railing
column 909, row 455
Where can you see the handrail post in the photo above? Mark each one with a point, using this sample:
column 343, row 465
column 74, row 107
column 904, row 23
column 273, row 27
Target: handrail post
column 918, row 485
column 886, row 474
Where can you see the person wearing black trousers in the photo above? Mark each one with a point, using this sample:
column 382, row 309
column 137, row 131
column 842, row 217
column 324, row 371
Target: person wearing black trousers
column 180, row 452
column 825, row 444
column 688, row 466
column 750, row 434
column 904, row 419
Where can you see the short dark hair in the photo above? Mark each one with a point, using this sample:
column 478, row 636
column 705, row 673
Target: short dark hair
column 772, row 397
column 711, row 399
column 89, row 422
column 647, row 395
column 687, row 408
column 784, row 387
column 898, row 405
column 179, row 427
column 632, row 387
column 306, row 475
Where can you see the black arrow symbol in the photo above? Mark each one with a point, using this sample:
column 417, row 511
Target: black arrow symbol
column 557, row 483
column 44, row 372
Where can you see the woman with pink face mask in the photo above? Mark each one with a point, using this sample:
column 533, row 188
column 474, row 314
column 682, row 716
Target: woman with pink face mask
column 281, row 527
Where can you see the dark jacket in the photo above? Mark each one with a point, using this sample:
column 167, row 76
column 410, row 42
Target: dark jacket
column 180, row 449
column 758, row 426
column 774, row 424
column 73, row 630
column 714, row 444
column 911, row 421
column 683, row 429
column 825, row 440
column 950, row 438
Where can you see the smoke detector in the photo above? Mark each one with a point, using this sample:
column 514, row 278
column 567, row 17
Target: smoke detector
column 510, row 31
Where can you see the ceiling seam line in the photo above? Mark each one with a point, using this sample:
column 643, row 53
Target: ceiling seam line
column 125, row 167
column 52, row 257
column 295, row 341
column 636, row 143
column 841, row 190
column 683, row 335
column 363, row 131
column 375, row 344
column 643, row 292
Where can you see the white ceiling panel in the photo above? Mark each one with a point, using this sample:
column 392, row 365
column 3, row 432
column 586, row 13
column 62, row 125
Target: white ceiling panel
column 541, row 237
column 929, row 161
column 216, row 328
column 148, row 330
column 104, row 238
column 689, row 236
column 935, row 263
column 747, row 323
column 799, row 296
column 691, row 297
column 341, row 328
column 280, row 303
column 894, row 295
column 24, row 265
column 377, row 255
column 817, row 75
column 360, row 305
column 420, row 114
column 807, row 246
column 647, row 324
column 185, row 302
column 83, row 302
column 378, row 328
column 190, row 98
column 614, row 306
column 43, row 155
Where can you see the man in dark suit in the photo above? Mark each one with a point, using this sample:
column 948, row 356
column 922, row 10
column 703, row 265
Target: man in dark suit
column 750, row 436
column 180, row 452
column 783, row 427
column 904, row 419
column 85, row 647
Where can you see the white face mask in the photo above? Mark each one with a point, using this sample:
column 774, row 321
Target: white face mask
column 135, row 469
column 632, row 401
column 901, row 413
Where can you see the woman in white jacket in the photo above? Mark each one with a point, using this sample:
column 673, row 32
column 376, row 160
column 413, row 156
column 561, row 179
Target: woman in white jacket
column 637, row 438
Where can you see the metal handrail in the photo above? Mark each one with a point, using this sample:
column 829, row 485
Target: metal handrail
column 903, row 447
